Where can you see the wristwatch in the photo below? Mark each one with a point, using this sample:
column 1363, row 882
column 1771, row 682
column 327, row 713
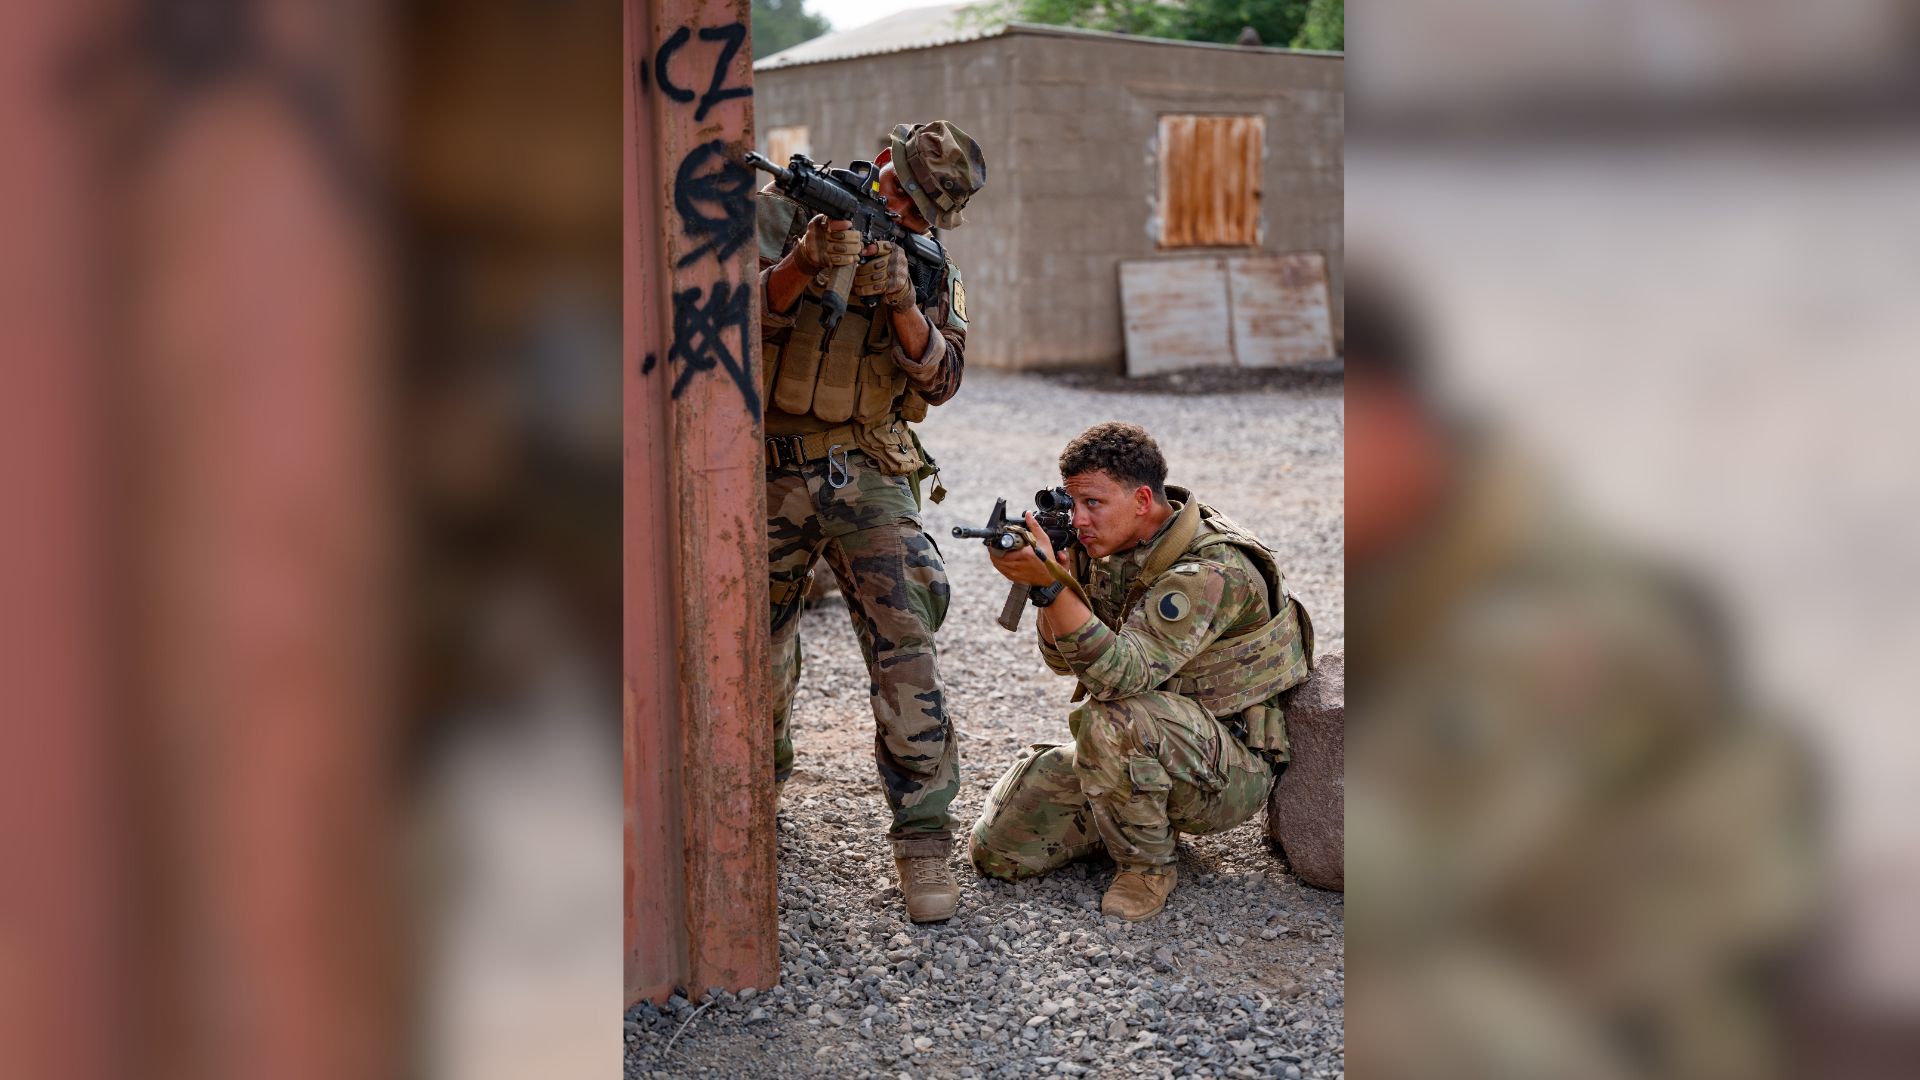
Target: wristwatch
column 1043, row 597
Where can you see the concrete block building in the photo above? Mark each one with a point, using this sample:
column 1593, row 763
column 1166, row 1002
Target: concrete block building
column 1102, row 149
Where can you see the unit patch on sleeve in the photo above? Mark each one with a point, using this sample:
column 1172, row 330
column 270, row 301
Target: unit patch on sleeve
column 1173, row 606
column 956, row 299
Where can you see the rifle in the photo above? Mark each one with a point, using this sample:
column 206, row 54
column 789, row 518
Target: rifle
column 1053, row 510
column 852, row 194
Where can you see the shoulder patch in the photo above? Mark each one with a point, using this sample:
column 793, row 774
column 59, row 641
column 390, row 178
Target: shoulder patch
column 1173, row 606
column 956, row 298
column 1178, row 596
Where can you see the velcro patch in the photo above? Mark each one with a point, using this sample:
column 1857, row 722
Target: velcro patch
column 1172, row 606
column 1178, row 595
column 956, row 299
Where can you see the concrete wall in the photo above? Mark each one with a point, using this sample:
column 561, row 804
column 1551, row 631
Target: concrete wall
column 1068, row 124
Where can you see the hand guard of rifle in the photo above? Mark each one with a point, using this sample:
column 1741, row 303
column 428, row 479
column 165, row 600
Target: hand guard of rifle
column 1054, row 513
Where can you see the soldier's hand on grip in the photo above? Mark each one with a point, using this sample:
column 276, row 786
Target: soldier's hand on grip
column 885, row 276
column 827, row 244
column 1024, row 565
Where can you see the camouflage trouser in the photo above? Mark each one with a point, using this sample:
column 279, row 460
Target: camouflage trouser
column 1139, row 770
column 896, row 591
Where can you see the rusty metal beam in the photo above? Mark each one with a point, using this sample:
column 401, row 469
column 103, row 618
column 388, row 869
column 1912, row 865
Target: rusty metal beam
column 194, row 808
column 253, row 329
column 701, row 908
column 61, row 962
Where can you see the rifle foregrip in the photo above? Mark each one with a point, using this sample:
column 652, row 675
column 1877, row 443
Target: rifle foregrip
column 1011, row 610
column 833, row 303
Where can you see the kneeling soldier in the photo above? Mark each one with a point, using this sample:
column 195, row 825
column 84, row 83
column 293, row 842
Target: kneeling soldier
column 1182, row 645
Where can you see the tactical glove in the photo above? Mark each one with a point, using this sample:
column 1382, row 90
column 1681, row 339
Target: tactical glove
column 885, row 276
column 822, row 246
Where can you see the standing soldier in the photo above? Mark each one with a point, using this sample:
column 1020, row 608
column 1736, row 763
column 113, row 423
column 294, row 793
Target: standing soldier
column 1183, row 651
column 843, row 473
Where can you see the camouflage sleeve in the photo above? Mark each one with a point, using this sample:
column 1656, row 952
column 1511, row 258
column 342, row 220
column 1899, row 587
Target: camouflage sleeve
column 1051, row 654
column 936, row 373
column 1186, row 610
column 775, row 217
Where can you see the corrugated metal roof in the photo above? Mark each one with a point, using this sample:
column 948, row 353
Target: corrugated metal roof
column 931, row 27
column 915, row 28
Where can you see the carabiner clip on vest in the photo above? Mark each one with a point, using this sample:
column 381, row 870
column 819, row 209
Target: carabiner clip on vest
column 837, row 475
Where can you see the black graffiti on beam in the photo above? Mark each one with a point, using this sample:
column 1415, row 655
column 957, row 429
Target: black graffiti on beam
column 700, row 338
column 661, row 56
column 733, row 35
column 709, row 179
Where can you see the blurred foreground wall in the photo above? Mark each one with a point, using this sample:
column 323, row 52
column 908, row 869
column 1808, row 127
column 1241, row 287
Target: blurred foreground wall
column 199, row 541
column 1638, row 755
column 310, row 576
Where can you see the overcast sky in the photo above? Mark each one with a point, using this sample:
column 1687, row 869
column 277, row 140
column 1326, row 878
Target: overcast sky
column 847, row 14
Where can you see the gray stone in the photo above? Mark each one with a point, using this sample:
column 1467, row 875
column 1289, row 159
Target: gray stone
column 1306, row 814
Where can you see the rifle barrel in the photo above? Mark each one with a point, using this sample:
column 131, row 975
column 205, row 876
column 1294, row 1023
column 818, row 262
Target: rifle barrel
column 1003, row 539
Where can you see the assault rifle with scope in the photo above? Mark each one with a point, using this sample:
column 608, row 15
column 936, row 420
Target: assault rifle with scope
column 853, row 194
column 1053, row 510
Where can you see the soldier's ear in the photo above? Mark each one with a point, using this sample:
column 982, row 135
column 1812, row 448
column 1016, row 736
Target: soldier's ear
column 1142, row 499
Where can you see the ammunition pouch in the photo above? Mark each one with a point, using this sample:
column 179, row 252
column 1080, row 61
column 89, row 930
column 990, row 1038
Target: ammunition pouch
column 838, row 375
column 1262, row 729
column 893, row 447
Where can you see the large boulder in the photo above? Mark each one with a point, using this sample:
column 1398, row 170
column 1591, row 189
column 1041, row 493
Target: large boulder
column 1306, row 814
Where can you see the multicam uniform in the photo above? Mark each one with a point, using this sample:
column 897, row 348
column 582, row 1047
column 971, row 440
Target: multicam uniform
column 843, row 471
column 1182, row 667
column 1577, row 835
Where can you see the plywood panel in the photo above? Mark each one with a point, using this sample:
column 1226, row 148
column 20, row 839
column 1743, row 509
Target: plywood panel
column 784, row 142
column 1175, row 314
column 1280, row 309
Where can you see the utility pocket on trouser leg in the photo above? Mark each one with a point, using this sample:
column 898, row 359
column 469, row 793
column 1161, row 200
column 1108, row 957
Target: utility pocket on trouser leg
column 1132, row 819
column 1147, row 805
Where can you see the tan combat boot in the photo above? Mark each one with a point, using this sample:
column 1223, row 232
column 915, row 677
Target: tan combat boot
column 1134, row 896
column 927, row 883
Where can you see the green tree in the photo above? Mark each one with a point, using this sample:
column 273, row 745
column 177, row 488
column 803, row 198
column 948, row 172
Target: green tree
column 1278, row 22
column 1325, row 28
column 782, row 24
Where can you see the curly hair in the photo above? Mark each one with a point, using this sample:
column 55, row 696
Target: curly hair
column 1123, row 451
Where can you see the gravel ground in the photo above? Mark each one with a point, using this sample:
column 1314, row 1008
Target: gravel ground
column 1241, row 975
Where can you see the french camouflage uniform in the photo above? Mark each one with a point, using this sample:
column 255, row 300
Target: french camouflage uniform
column 1181, row 727
column 843, row 477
